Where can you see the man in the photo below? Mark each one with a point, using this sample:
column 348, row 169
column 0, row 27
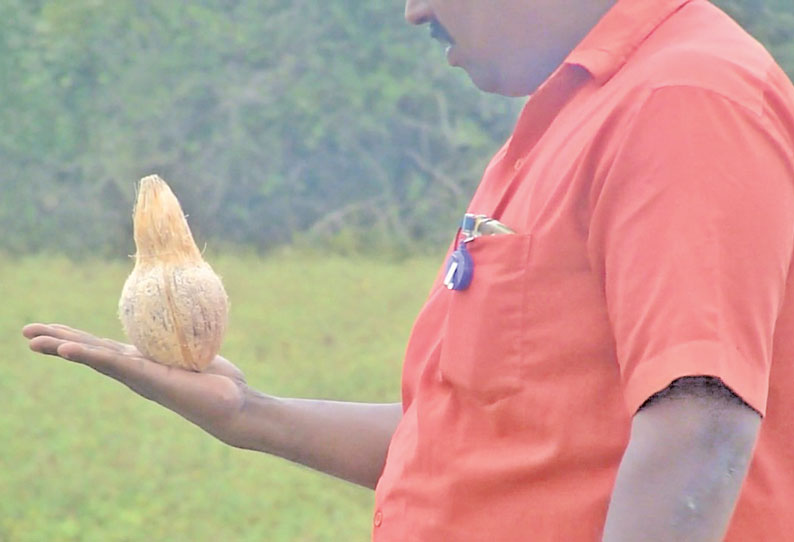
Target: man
column 620, row 367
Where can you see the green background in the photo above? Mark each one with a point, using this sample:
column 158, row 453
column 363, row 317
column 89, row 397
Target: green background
column 320, row 149
column 84, row 459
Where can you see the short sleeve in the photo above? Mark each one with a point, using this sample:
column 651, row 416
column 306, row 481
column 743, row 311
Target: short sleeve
column 691, row 226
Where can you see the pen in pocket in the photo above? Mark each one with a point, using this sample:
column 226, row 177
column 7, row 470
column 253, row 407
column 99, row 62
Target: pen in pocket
column 479, row 225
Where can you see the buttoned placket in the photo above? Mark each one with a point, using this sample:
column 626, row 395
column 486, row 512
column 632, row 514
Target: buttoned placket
column 538, row 114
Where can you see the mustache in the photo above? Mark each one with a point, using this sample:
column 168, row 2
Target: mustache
column 438, row 32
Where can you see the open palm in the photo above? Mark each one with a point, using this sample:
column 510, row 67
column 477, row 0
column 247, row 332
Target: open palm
column 211, row 399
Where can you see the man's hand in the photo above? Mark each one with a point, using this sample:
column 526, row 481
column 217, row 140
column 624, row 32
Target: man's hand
column 211, row 399
column 683, row 469
column 346, row 440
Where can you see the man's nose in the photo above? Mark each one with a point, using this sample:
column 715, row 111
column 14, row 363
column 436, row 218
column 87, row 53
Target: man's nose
column 418, row 11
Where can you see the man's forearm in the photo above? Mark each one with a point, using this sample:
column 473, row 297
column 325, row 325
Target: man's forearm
column 346, row 440
column 683, row 469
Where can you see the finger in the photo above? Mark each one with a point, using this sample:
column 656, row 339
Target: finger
column 57, row 330
column 45, row 344
column 34, row 330
column 67, row 333
column 88, row 338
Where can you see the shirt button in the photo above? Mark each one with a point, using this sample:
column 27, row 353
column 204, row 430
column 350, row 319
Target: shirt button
column 517, row 165
column 378, row 518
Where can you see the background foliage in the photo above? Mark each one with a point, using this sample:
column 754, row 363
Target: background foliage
column 274, row 120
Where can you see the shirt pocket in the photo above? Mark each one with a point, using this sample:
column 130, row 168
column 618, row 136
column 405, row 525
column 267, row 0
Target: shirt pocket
column 481, row 353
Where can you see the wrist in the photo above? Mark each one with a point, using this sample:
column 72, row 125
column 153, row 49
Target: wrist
column 253, row 425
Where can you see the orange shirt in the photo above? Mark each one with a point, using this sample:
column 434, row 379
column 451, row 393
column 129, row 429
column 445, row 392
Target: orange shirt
column 650, row 182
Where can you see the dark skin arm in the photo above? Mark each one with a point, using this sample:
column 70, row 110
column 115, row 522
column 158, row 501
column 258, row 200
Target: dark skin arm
column 346, row 440
column 682, row 471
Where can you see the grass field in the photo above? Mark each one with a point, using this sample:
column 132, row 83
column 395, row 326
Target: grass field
column 84, row 459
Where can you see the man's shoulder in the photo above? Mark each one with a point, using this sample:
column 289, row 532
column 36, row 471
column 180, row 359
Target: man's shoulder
column 702, row 47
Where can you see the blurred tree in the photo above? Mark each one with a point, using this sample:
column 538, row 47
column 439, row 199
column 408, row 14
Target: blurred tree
column 271, row 119
column 771, row 21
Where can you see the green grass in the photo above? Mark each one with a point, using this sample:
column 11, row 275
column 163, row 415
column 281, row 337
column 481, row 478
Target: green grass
column 84, row 459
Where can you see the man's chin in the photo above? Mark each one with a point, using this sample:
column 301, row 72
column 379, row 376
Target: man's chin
column 515, row 83
column 488, row 81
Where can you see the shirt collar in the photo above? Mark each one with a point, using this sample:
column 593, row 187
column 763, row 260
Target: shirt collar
column 607, row 47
